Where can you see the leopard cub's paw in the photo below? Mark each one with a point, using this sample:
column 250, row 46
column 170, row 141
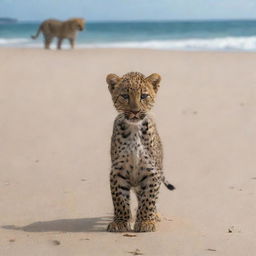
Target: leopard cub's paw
column 119, row 226
column 145, row 226
column 158, row 217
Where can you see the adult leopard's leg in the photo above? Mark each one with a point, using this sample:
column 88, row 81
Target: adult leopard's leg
column 120, row 190
column 47, row 41
column 72, row 42
column 59, row 43
column 147, row 195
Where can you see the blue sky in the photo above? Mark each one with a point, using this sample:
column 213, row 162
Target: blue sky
column 129, row 9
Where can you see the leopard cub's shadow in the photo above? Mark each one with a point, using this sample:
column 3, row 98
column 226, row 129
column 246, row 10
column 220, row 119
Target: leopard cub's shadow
column 66, row 225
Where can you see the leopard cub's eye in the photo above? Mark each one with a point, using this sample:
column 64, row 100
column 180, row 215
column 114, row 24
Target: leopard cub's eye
column 144, row 96
column 125, row 96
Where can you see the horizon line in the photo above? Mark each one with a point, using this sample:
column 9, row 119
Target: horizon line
column 148, row 20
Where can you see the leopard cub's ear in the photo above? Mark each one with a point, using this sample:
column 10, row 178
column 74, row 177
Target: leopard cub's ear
column 154, row 79
column 112, row 81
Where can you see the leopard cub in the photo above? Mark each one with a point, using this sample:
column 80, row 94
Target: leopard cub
column 136, row 151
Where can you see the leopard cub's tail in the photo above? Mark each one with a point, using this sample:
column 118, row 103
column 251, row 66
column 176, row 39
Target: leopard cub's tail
column 167, row 184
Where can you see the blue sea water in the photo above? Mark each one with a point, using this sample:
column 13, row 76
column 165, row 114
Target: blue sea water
column 233, row 35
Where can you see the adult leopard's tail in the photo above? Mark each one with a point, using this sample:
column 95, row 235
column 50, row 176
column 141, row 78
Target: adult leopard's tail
column 37, row 33
column 167, row 184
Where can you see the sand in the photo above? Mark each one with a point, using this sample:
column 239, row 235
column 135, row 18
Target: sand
column 56, row 121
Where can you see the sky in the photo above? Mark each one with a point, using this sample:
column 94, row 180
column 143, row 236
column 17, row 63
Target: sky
column 118, row 10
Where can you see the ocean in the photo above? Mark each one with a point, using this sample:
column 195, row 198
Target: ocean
column 233, row 35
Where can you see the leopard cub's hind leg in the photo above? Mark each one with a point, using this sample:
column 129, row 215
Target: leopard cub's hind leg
column 147, row 195
column 120, row 190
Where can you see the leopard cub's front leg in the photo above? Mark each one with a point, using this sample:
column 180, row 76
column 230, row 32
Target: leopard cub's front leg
column 120, row 190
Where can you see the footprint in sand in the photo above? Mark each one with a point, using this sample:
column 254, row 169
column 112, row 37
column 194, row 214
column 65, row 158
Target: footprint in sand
column 56, row 242
column 136, row 252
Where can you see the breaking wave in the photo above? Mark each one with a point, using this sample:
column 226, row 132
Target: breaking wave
column 222, row 44
column 13, row 41
column 227, row 43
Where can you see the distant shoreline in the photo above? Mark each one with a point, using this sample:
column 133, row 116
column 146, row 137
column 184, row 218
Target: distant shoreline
column 4, row 20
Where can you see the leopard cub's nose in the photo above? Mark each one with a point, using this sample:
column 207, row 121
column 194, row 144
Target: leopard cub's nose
column 135, row 112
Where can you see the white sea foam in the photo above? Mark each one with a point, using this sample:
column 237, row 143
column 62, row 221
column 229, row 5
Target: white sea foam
column 13, row 41
column 223, row 44
column 227, row 43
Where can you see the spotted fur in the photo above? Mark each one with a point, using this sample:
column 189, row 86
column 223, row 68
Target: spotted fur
column 61, row 29
column 136, row 151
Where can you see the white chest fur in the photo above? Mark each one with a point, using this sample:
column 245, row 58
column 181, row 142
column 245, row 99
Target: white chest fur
column 135, row 150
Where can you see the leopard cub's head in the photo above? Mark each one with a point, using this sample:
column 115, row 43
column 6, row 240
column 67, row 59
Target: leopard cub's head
column 133, row 94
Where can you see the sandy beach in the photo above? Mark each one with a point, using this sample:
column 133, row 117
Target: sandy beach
column 56, row 121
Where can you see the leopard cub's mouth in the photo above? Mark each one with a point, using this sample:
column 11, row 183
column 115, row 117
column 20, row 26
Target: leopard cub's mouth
column 135, row 117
